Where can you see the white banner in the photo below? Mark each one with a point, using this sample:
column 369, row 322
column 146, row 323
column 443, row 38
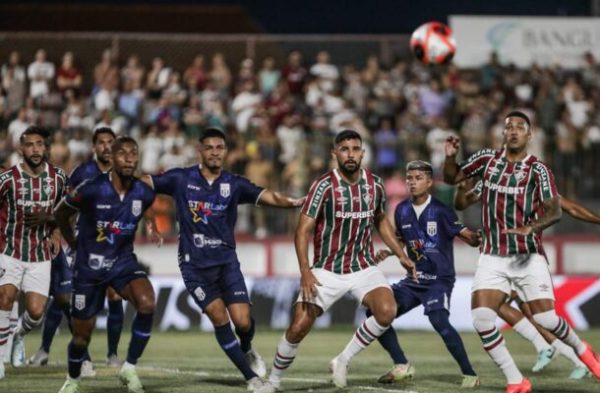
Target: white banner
column 525, row 40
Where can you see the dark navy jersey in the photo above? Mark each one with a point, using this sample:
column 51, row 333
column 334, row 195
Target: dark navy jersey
column 85, row 171
column 206, row 212
column 107, row 221
column 429, row 239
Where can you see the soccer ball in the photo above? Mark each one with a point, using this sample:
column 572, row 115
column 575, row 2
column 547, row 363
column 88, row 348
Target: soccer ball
column 433, row 43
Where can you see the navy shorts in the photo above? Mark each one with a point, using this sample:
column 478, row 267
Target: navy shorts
column 61, row 275
column 221, row 281
column 89, row 286
column 435, row 296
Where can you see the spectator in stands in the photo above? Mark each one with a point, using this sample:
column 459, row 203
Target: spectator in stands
column 245, row 105
column 194, row 77
column 13, row 84
column 17, row 127
column 294, row 73
column 133, row 72
column 326, row 73
column 68, row 75
column 106, row 74
column 157, row 78
column 269, row 76
column 40, row 74
column 220, row 75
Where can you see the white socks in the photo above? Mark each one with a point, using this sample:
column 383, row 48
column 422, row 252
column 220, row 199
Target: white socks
column 561, row 329
column 528, row 331
column 286, row 352
column 366, row 333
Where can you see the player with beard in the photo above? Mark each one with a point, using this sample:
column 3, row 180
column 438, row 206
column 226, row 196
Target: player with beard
column 342, row 207
column 206, row 198
column 29, row 191
column 110, row 207
column 60, row 287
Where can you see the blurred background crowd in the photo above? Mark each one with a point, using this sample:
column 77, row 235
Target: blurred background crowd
column 280, row 116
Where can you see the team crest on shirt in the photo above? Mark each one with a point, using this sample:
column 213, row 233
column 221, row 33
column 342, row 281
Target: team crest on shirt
column 225, row 190
column 368, row 198
column 431, row 228
column 519, row 175
column 79, row 303
column 136, row 207
column 48, row 188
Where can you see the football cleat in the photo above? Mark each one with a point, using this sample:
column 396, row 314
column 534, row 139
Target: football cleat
column 398, row 373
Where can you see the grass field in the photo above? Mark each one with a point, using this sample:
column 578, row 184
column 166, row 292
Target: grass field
column 192, row 362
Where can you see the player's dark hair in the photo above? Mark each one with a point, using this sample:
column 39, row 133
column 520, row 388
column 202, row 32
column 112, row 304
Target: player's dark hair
column 419, row 165
column 35, row 130
column 103, row 130
column 212, row 132
column 521, row 115
column 345, row 135
column 120, row 141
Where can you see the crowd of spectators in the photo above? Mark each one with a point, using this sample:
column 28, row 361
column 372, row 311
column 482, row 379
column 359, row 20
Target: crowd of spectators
column 280, row 118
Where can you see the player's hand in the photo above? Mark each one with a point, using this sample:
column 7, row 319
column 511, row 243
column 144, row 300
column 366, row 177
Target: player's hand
column 37, row 218
column 382, row 255
column 297, row 202
column 308, row 286
column 411, row 268
column 523, row 231
column 154, row 234
column 452, row 145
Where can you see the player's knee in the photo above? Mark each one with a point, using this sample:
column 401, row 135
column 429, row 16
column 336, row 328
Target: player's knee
column 145, row 304
column 440, row 321
column 80, row 340
column 385, row 314
column 483, row 318
column 548, row 319
column 243, row 324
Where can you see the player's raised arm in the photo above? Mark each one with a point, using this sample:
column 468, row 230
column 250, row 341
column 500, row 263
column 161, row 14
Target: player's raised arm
column 386, row 231
column 452, row 172
column 578, row 211
column 466, row 194
column 308, row 281
column 277, row 199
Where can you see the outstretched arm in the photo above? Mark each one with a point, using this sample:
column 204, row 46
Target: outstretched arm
column 386, row 231
column 551, row 215
column 273, row 198
column 578, row 211
column 466, row 195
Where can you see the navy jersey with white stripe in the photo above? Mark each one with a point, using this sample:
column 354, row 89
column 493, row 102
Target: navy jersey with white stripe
column 206, row 212
column 429, row 239
column 107, row 221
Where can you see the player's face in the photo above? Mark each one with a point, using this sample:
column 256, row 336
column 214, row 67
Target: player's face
column 33, row 149
column 418, row 182
column 212, row 152
column 349, row 155
column 125, row 159
column 102, row 148
column 516, row 133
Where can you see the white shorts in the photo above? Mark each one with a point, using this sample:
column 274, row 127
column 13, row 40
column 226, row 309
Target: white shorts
column 528, row 275
column 334, row 286
column 26, row 276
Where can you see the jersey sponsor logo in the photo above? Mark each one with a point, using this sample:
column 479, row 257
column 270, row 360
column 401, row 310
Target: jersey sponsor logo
column 406, row 226
column 355, row 215
column 544, row 179
column 504, row 189
column 136, row 207
column 201, row 241
column 199, row 293
column 520, row 175
column 201, row 210
column 25, row 203
column 431, row 228
column 415, row 247
column 108, row 230
column 23, row 190
column 193, row 187
column 79, row 303
column 225, row 190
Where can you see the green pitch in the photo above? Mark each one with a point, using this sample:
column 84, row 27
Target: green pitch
column 192, row 362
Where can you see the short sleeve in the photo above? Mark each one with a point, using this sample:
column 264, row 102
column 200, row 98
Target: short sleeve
column 313, row 204
column 451, row 222
column 475, row 164
column 167, row 183
column 381, row 201
column 545, row 182
column 398, row 221
column 249, row 192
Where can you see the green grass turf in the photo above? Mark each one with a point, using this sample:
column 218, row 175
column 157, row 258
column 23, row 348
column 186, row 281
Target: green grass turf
column 193, row 362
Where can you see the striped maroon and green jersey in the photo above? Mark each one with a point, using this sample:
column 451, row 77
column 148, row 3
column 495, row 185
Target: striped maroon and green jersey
column 344, row 215
column 511, row 197
column 21, row 193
